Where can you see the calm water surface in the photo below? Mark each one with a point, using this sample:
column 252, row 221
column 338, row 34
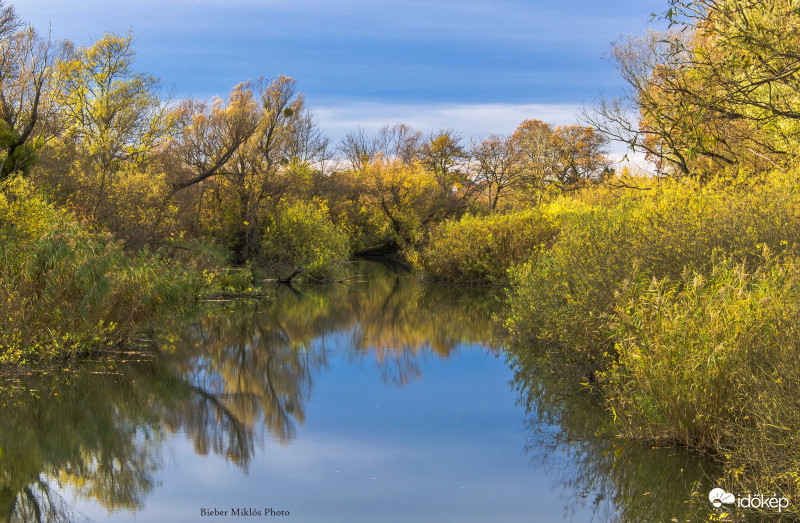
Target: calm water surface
column 381, row 400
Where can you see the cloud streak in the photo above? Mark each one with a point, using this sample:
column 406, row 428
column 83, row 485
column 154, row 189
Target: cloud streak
column 471, row 120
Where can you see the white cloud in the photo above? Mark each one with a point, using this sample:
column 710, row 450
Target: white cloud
column 471, row 120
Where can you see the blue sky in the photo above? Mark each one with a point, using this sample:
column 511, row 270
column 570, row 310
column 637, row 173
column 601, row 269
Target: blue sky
column 476, row 66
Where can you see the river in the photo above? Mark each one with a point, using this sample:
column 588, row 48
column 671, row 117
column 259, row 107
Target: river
column 377, row 399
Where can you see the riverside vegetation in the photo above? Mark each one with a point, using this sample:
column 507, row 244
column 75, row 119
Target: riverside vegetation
column 673, row 295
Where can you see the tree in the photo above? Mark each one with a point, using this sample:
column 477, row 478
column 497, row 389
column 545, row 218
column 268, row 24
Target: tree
column 258, row 170
column 566, row 157
column 392, row 142
column 244, row 153
column 720, row 91
column 26, row 86
column 579, row 157
column 443, row 154
column 115, row 117
column 399, row 142
column 309, row 145
column 638, row 118
column 499, row 165
column 358, row 149
column 405, row 194
column 211, row 134
column 533, row 141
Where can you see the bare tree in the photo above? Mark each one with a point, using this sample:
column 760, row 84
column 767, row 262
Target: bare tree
column 400, row 142
column 499, row 165
column 359, row 149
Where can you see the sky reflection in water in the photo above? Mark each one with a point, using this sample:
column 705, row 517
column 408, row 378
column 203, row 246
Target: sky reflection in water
column 384, row 400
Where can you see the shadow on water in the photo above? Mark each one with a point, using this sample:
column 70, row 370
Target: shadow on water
column 232, row 377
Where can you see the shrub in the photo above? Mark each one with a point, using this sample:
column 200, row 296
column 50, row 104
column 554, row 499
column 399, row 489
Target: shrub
column 482, row 248
column 302, row 235
column 65, row 289
column 683, row 302
column 713, row 362
column 567, row 296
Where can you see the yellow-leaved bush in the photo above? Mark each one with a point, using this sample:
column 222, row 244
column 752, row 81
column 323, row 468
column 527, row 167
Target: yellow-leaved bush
column 66, row 289
column 482, row 248
column 302, row 235
column 681, row 303
column 567, row 295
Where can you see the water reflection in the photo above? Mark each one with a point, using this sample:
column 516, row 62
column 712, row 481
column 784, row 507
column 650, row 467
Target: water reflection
column 93, row 429
column 617, row 479
column 232, row 377
column 239, row 375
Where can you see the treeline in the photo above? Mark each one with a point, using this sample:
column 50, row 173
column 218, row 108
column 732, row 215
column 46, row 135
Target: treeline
column 117, row 201
column 99, row 138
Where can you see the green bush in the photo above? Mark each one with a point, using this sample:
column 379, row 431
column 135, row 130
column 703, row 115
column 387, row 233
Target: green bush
column 302, row 235
column 567, row 297
column 482, row 248
column 66, row 290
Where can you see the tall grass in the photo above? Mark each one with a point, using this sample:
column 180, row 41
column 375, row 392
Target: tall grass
column 714, row 362
column 681, row 303
column 567, row 295
column 66, row 289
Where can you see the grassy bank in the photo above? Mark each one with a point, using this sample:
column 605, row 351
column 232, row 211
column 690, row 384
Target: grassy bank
column 680, row 303
column 67, row 289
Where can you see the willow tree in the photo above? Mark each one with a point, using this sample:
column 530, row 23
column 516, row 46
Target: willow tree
column 243, row 155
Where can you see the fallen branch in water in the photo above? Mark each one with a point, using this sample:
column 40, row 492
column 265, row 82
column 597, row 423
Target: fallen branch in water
column 233, row 296
column 332, row 280
column 287, row 279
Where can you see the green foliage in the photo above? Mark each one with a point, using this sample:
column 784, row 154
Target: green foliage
column 713, row 362
column 568, row 295
column 21, row 159
column 302, row 235
column 680, row 302
column 65, row 289
column 482, row 248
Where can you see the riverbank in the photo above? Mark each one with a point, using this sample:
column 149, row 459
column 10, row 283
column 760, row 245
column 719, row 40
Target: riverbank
column 678, row 303
column 383, row 362
column 68, row 289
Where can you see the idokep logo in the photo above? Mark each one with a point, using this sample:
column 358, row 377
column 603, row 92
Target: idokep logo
column 761, row 501
column 718, row 496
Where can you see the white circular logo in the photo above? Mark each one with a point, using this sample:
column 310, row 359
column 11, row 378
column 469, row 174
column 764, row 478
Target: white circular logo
column 718, row 496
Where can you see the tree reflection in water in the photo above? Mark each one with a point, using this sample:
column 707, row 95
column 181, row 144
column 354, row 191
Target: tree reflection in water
column 622, row 480
column 227, row 379
column 236, row 375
